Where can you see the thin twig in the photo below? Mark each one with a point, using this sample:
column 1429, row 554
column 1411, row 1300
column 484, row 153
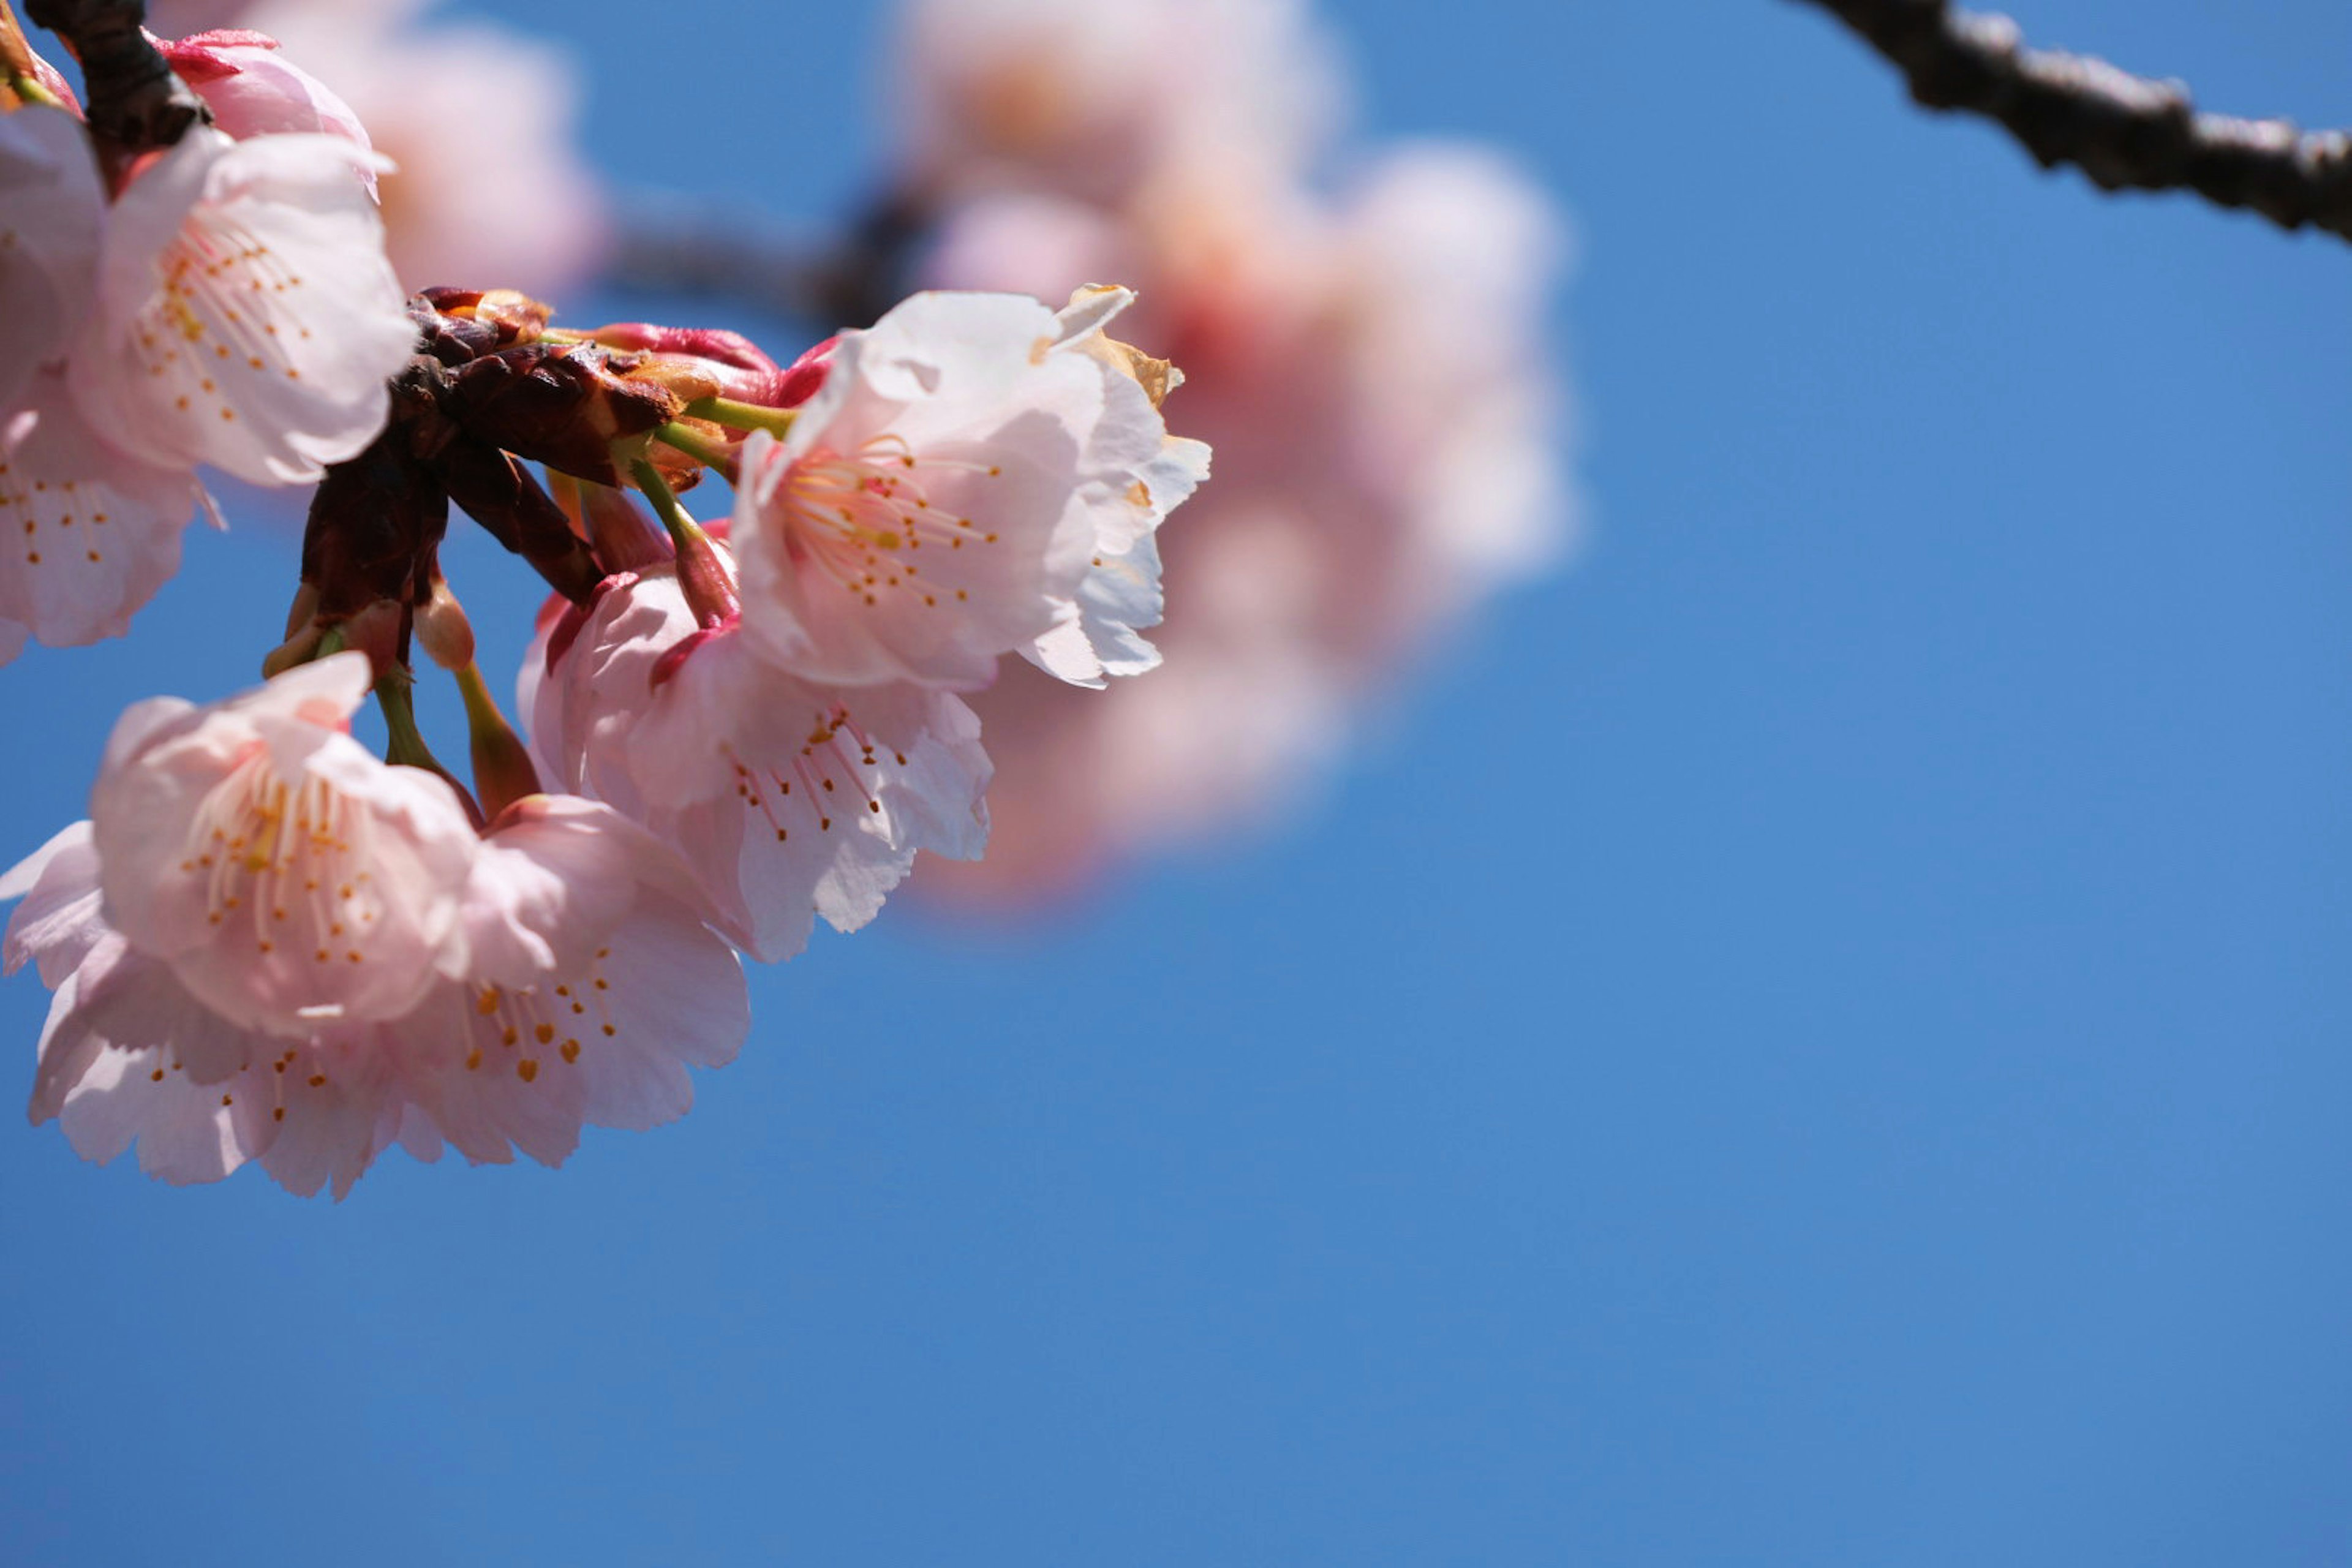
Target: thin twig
column 713, row 250
column 2124, row 131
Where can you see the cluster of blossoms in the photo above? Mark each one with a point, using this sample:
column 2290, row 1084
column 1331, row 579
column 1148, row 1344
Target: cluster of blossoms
column 1361, row 353
column 219, row 301
column 266, row 943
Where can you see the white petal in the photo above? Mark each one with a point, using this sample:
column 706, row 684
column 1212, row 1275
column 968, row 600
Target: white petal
column 556, row 874
column 58, row 922
column 87, row 535
column 675, row 997
column 51, row 212
column 332, row 1111
column 184, row 1133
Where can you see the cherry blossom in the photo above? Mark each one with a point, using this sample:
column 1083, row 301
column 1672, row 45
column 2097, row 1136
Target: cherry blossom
column 233, row 306
column 284, row 874
column 944, row 498
column 246, row 315
column 557, row 972
column 593, row 982
column 268, row 944
column 789, row 798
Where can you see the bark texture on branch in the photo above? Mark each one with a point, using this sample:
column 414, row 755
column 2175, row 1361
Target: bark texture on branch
column 2124, row 131
column 135, row 103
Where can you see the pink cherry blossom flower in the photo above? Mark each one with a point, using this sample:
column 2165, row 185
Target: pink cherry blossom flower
column 968, row 462
column 285, row 875
column 138, row 340
column 52, row 212
column 246, row 315
column 789, row 799
column 560, row 971
column 87, row 535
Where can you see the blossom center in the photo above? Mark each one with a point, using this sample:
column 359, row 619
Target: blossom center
column 220, row 321
column 288, row 862
column 525, row 1030
column 861, row 518
column 826, row 773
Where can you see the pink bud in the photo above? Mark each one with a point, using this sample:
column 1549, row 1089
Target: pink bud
column 253, row 91
column 376, row 632
column 735, row 365
column 708, row 579
column 443, row 630
column 807, row 374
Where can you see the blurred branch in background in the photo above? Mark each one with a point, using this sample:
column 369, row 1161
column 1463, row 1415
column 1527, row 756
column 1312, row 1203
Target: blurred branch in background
column 2124, row 131
column 703, row 249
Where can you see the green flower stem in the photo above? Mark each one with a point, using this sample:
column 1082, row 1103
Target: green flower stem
column 703, row 574
column 405, row 743
column 742, row 415
column 710, row 454
column 684, row 531
column 29, row 89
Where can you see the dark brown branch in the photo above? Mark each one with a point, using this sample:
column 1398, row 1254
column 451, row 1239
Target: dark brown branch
column 136, row 104
column 376, row 520
column 2123, row 131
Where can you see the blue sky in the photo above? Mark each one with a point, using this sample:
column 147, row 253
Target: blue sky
column 1862, row 1078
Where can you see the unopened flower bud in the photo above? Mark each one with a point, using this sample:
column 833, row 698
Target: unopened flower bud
column 443, row 630
column 708, row 579
column 724, row 364
column 807, row 374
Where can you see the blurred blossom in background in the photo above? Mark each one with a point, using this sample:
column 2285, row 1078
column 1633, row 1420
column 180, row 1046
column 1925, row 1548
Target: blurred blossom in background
column 1362, row 330
column 481, row 120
